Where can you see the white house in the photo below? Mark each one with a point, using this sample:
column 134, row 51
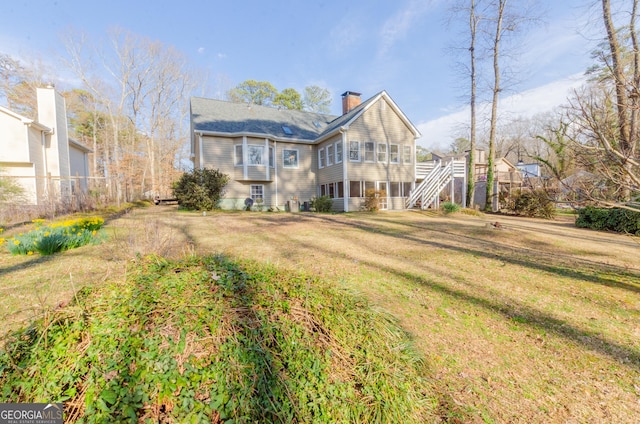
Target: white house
column 39, row 155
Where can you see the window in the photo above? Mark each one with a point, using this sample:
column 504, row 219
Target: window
column 354, row 151
column 354, row 189
column 339, row 152
column 369, row 185
column 394, row 189
column 382, row 152
column 406, row 189
column 321, row 158
column 368, row 151
column 238, row 153
column 330, row 155
column 272, row 157
column 340, row 189
column 290, row 158
column 323, row 190
column 257, row 192
column 331, row 190
column 393, row 153
column 256, row 155
column 406, row 154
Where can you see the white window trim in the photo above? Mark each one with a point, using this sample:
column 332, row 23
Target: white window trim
column 359, row 152
column 251, row 191
column 321, row 158
column 386, row 153
column 330, row 157
column 405, row 149
column 398, row 153
column 373, row 152
column 339, row 158
column 297, row 165
column 235, row 155
column 261, row 146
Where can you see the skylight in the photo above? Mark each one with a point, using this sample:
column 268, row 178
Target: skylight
column 316, row 124
column 287, row 130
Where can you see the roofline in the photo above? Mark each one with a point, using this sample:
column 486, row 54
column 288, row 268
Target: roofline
column 80, row 146
column 257, row 135
column 25, row 120
column 395, row 107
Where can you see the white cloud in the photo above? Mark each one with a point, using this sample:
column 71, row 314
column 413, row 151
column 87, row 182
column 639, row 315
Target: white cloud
column 201, row 50
column 438, row 133
column 396, row 27
column 345, row 35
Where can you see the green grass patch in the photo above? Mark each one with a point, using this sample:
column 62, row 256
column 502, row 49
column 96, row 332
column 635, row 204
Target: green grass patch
column 207, row 339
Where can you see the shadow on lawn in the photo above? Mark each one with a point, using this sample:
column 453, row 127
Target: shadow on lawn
column 32, row 261
column 530, row 258
column 514, row 310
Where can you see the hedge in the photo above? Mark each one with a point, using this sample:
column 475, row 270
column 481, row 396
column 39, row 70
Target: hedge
column 614, row 219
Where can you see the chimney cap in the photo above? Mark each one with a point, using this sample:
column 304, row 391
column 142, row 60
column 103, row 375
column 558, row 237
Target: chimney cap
column 350, row 93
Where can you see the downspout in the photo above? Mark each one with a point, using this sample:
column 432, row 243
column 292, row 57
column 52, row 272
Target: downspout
column 245, row 169
column 45, row 163
column 275, row 169
column 346, row 188
column 200, row 153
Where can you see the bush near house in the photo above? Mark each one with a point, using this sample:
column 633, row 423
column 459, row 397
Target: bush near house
column 372, row 199
column 200, row 189
column 614, row 219
column 533, row 204
column 321, row 204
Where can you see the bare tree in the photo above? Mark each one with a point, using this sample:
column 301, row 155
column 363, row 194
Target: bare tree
column 605, row 117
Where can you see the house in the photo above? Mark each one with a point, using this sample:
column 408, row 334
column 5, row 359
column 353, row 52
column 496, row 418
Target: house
column 507, row 178
column 283, row 158
column 39, row 155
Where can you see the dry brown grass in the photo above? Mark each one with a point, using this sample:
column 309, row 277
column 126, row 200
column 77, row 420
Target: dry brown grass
column 532, row 322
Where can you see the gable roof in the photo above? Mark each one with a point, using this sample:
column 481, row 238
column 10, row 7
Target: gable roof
column 217, row 117
column 222, row 117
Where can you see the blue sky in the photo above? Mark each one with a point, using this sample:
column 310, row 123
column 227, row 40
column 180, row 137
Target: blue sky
column 400, row 46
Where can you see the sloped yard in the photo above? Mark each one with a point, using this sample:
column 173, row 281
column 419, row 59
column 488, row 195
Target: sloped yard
column 524, row 321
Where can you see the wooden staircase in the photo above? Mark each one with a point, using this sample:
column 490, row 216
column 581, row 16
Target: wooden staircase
column 435, row 179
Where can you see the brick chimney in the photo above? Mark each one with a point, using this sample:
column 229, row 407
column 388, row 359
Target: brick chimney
column 350, row 99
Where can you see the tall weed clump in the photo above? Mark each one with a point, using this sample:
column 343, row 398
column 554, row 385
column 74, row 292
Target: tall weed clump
column 207, row 339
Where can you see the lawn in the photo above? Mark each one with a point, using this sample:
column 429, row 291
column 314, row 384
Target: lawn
column 524, row 321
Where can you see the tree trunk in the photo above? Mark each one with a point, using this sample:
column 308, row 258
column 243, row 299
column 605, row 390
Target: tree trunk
column 471, row 172
column 494, row 106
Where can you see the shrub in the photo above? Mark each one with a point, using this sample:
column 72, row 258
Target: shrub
column 614, row 219
column 450, row 207
column 534, row 204
column 322, row 204
column 372, row 199
column 200, row 189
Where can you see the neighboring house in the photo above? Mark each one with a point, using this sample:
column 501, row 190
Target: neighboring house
column 283, row 158
column 39, row 155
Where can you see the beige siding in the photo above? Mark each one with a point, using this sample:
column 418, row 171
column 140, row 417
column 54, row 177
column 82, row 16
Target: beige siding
column 297, row 182
column 381, row 125
column 13, row 134
column 79, row 168
column 217, row 153
column 330, row 173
